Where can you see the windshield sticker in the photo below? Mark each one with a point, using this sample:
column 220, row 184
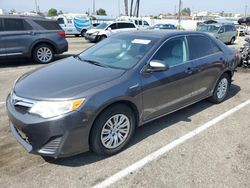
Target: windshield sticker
column 141, row 41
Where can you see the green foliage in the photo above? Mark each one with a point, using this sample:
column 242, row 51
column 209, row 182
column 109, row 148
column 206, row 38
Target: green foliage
column 52, row 12
column 101, row 12
column 186, row 12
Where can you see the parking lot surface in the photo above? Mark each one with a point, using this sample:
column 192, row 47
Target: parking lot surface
column 217, row 157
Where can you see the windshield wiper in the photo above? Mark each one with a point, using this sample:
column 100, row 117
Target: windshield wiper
column 92, row 62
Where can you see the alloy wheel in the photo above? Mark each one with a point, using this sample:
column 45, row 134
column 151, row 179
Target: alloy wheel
column 115, row 131
column 44, row 54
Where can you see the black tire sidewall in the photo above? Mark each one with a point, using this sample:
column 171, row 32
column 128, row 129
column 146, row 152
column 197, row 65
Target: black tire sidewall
column 95, row 135
column 34, row 55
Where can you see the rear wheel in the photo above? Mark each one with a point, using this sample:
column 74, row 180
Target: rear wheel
column 43, row 53
column 112, row 130
column 221, row 89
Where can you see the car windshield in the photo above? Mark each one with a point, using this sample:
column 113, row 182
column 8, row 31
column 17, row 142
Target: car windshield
column 102, row 26
column 208, row 28
column 121, row 52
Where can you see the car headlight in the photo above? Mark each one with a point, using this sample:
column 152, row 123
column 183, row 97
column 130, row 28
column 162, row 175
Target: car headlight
column 95, row 33
column 48, row 109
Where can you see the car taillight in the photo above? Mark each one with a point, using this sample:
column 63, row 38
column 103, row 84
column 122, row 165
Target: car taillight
column 61, row 33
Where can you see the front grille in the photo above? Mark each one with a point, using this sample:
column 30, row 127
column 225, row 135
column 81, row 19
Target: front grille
column 22, row 105
column 51, row 147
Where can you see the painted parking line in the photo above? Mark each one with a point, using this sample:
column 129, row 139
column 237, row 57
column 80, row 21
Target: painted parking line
column 2, row 104
column 155, row 155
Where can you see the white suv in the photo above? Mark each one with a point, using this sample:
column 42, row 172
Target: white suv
column 105, row 30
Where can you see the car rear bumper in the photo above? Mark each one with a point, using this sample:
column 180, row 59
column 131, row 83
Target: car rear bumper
column 55, row 137
column 62, row 47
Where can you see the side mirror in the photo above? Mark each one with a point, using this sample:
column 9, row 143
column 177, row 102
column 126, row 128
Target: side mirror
column 156, row 66
column 221, row 31
column 109, row 29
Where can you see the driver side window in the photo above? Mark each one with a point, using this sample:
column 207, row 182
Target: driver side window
column 173, row 52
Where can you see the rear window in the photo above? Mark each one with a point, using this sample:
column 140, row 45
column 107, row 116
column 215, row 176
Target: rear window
column 16, row 25
column 201, row 46
column 48, row 25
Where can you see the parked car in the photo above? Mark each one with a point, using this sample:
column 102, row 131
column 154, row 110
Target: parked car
column 242, row 30
column 105, row 30
column 163, row 26
column 227, row 33
column 31, row 37
column 140, row 24
column 244, row 20
column 96, row 99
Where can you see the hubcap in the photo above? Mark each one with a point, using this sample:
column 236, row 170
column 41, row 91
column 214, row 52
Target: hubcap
column 115, row 131
column 222, row 88
column 44, row 54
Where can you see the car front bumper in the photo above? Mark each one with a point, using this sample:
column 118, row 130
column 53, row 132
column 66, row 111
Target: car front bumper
column 62, row 136
column 92, row 38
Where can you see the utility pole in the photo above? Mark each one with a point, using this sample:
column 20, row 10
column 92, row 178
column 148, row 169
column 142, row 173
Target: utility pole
column 246, row 10
column 94, row 7
column 131, row 8
column 179, row 14
column 119, row 11
column 138, row 8
column 37, row 9
column 126, row 7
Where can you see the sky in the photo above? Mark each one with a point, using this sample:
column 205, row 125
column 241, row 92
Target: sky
column 148, row 7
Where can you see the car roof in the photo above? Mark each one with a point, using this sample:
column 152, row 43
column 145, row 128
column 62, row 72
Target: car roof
column 161, row 34
column 24, row 17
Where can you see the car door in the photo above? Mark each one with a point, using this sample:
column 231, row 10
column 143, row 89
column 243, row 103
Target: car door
column 207, row 60
column 2, row 48
column 222, row 35
column 112, row 29
column 17, row 36
column 168, row 90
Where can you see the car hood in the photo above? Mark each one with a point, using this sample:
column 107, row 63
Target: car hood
column 91, row 31
column 63, row 79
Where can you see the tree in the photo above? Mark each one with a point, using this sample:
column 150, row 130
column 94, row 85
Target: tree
column 186, row 12
column 52, row 12
column 101, row 12
column 12, row 11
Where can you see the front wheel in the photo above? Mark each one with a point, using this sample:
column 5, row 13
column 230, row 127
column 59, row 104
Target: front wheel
column 102, row 37
column 221, row 89
column 232, row 41
column 83, row 32
column 112, row 130
column 43, row 53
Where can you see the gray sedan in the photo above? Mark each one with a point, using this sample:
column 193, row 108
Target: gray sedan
column 96, row 99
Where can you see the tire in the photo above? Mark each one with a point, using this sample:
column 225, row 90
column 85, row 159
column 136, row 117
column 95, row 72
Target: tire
column 221, row 89
column 232, row 40
column 102, row 37
column 102, row 136
column 83, row 32
column 38, row 56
